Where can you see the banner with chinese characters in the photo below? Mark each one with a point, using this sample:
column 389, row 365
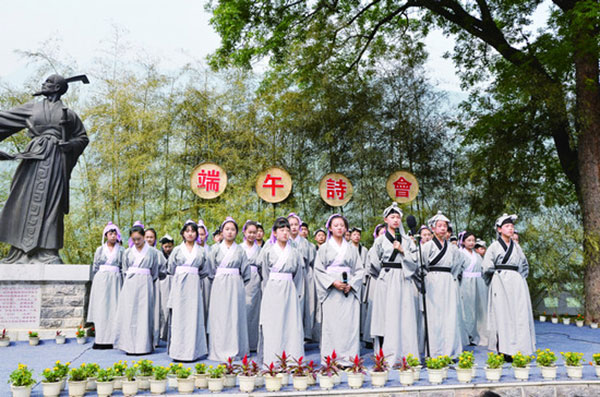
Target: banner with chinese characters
column 402, row 186
column 335, row 189
column 208, row 180
column 273, row 185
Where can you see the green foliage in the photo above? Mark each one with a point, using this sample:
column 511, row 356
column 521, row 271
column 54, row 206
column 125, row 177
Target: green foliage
column 22, row 376
column 78, row 374
column 106, row 375
column 495, row 360
column 160, row 373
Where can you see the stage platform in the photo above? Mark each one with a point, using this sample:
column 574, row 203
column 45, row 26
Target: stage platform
column 557, row 337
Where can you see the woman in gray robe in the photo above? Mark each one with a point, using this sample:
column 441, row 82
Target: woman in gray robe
column 135, row 312
column 253, row 288
column 393, row 261
column 187, row 266
column 206, row 281
column 227, row 321
column 510, row 318
column 280, row 312
column 106, row 286
column 443, row 263
column 338, row 276
column 473, row 293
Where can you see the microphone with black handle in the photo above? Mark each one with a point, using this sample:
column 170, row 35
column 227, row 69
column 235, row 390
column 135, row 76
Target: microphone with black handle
column 345, row 281
column 411, row 222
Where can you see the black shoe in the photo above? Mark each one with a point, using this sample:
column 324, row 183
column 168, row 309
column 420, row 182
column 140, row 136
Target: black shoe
column 507, row 358
column 100, row 346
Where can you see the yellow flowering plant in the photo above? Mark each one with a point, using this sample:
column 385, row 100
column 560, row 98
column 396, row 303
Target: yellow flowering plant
column 412, row 360
column 63, row 369
column 546, row 358
column 184, row 373
column 572, row 359
column 521, row 360
column 435, row 363
column 173, row 368
column 91, row 369
column 495, row 361
column 131, row 372
column 596, row 359
column 106, row 375
column 119, row 368
column 160, row 373
column 51, row 375
column 216, row 372
column 201, row 368
column 22, row 376
column 466, row 360
column 77, row 374
column 145, row 367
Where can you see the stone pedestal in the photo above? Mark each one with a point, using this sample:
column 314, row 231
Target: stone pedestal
column 43, row 298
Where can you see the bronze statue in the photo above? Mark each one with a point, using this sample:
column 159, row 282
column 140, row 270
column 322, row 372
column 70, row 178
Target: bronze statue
column 32, row 220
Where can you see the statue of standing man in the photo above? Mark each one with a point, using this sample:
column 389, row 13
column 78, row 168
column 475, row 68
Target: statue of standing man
column 32, row 220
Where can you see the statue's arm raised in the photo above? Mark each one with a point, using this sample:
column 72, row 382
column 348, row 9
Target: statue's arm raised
column 14, row 120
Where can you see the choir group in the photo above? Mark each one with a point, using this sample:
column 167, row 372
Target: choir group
column 425, row 295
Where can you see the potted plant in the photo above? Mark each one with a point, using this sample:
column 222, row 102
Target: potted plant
column 59, row 338
column 573, row 364
column 246, row 375
column 493, row 368
column 521, row 366
column 447, row 360
column 596, row 363
column 543, row 317
column 230, row 370
column 554, row 318
column 130, row 383
column 379, row 373
column 405, row 372
column 201, row 376
column 119, row 372
column 158, row 383
column 34, row 338
column 356, row 373
column 272, row 378
column 464, row 371
column 337, row 379
column 546, row 361
column 185, row 383
column 284, row 370
column 4, row 339
column 145, row 368
column 77, row 381
column 579, row 319
column 259, row 381
column 63, row 371
column 566, row 319
column 104, row 382
column 435, row 369
column 326, row 374
column 312, row 373
column 416, row 366
column 594, row 323
column 52, row 382
column 299, row 371
column 21, row 380
column 80, row 335
column 91, row 372
column 172, row 375
column 216, row 378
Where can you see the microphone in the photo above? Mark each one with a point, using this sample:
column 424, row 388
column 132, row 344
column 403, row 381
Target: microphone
column 411, row 222
column 345, row 281
column 398, row 237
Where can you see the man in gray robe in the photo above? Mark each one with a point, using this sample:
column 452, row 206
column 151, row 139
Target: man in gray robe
column 33, row 216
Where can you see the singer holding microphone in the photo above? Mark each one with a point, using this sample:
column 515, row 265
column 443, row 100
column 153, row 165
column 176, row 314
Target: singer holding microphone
column 392, row 263
column 338, row 278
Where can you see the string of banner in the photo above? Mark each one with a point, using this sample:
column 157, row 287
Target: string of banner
column 273, row 185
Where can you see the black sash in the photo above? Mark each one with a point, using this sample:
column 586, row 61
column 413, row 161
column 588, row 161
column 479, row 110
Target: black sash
column 440, row 255
column 508, row 252
column 391, row 265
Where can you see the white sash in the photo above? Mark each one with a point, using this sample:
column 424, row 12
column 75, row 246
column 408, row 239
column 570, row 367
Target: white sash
column 341, row 252
column 283, row 257
column 111, row 256
column 468, row 272
column 138, row 256
column 250, row 251
column 188, row 256
column 228, row 254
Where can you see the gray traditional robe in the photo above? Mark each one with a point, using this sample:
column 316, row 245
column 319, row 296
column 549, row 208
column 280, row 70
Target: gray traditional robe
column 253, row 294
column 161, row 295
column 365, row 315
column 307, row 302
column 187, row 336
column 394, row 305
column 227, row 321
column 474, row 299
column 135, row 311
column 207, row 281
column 33, row 214
column 280, row 311
column 510, row 318
column 341, row 314
column 104, row 294
column 444, row 319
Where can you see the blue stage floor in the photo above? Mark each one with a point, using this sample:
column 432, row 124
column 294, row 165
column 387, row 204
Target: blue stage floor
column 557, row 337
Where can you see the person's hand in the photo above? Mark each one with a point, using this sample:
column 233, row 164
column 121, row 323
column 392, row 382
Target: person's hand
column 347, row 289
column 398, row 247
column 339, row 285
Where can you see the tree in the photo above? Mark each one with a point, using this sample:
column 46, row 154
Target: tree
column 556, row 68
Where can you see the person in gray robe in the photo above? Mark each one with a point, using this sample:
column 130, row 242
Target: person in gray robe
column 106, row 286
column 206, row 281
column 338, row 275
column 134, row 333
column 363, row 252
column 280, row 321
column 443, row 263
column 392, row 263
column 510, row 317
column 254, row 286
column 308, row 300
column 473, row 293
column 161, row 291
column 187, row 266
column 32, row 219
column 227, row 320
